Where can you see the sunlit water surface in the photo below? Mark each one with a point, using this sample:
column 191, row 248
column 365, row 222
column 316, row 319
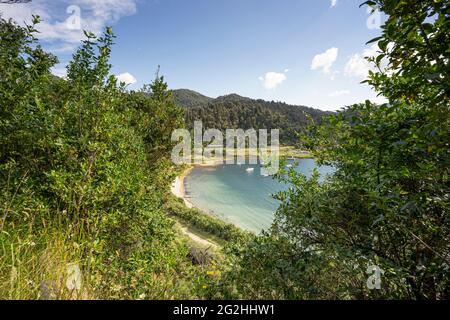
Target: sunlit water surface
column 238, row 195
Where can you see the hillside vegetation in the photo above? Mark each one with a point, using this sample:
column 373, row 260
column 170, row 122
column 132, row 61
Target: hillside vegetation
column 85, row 171
column 236, row 112
column 189, row 98
column 379, row 227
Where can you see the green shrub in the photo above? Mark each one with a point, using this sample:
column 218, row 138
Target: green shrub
column 192, row 216
column 84, row 164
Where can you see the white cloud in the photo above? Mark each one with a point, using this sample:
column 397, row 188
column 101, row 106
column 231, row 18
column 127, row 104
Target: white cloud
column 59, row 72
column 127, row 78
column 271, row 80
column 379, row 100
column 324, row 61
column 56, row 27
column 334, row 3
column 339, row 93
column 58, row 48
column 358, row 66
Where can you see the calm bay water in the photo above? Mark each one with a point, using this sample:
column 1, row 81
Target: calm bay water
column 238, row 196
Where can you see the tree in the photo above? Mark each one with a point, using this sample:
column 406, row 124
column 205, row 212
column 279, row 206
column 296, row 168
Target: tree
column 24, row 74
column 386, row 207
column 166, row 116
column 75, row 176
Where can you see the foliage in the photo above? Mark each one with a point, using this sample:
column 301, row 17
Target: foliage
column 204, row 222
column 236, row 112
column 84, row 173
column 83, row 168
column 189, row 98
column 387, row 205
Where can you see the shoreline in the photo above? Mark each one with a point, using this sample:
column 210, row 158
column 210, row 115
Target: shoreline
column 178, row 188
column 179, row 191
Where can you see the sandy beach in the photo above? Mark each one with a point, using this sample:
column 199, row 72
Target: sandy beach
column 178, row 187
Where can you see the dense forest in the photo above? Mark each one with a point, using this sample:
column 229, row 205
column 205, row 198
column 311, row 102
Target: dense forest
column 233, row 112
column 85, row 175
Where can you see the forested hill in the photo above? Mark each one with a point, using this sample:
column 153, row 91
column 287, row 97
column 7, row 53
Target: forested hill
column 234, row 111
column 190, row 98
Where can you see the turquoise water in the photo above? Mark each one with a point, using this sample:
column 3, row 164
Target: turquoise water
column 235, row 195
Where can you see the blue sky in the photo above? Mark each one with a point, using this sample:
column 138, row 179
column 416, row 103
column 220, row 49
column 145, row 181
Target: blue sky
column 308, row 52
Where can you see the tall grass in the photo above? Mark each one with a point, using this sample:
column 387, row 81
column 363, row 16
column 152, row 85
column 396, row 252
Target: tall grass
column 38, row 256
column 39, row 250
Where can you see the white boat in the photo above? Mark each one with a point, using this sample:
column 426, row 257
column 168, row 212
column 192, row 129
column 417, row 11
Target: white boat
column 250, row 169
